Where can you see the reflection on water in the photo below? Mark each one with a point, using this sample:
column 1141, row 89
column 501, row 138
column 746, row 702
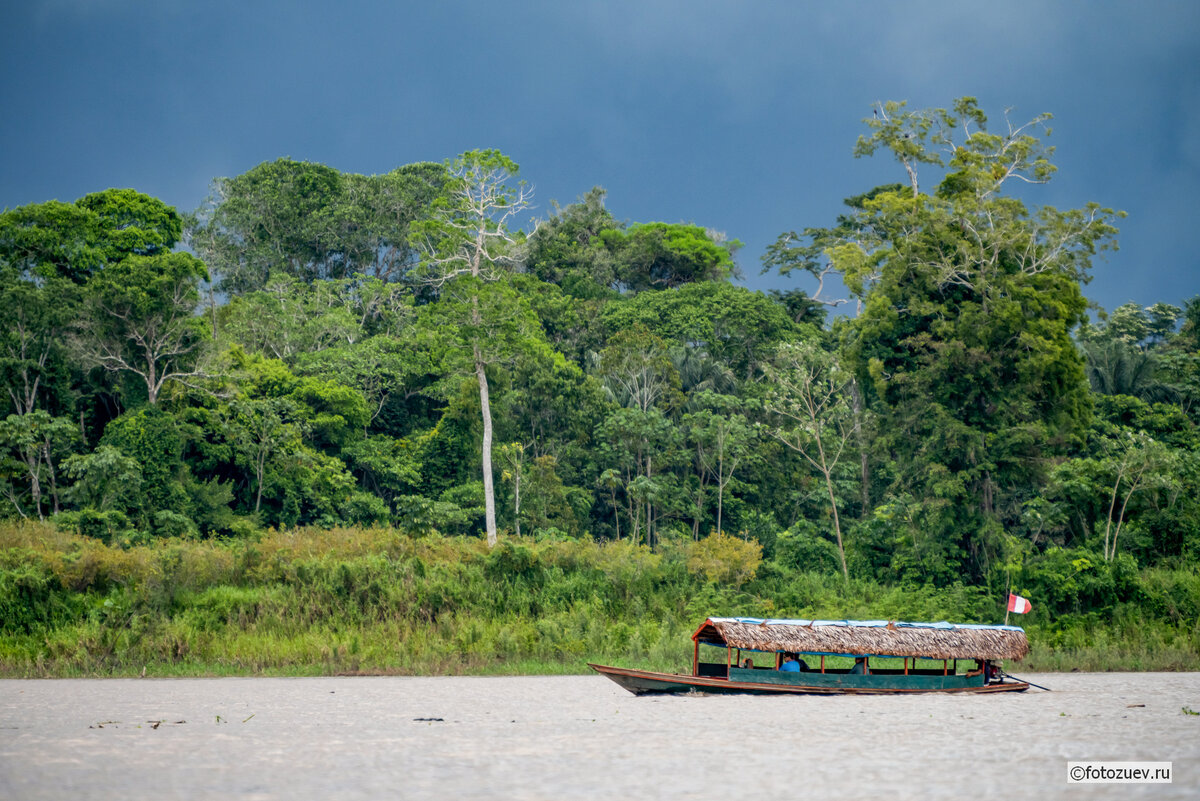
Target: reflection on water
column 579, row 737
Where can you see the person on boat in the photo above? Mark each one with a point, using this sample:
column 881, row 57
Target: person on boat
column 792, row 663
column 860, row 666
column 748, row 663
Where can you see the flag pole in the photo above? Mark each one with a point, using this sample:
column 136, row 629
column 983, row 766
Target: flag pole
column 1007, row 595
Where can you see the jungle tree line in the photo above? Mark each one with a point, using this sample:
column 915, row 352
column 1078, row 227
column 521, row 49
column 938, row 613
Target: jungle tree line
column 334, row 348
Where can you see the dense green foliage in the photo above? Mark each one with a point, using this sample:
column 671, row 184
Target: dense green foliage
column 320, row 601
column 345, row 352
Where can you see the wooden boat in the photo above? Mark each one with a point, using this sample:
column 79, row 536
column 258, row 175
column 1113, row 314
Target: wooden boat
column 929, row 654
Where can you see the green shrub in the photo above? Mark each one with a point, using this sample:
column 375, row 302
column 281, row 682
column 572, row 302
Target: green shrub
column 173, row 524
column 1075, row 580
column 31, row 600
column 110, row 526
column 363, row 508
column 724, row 560
column 801, row 548
column 509, row 561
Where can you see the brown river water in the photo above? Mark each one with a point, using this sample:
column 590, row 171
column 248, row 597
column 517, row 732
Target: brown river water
column 581, row 737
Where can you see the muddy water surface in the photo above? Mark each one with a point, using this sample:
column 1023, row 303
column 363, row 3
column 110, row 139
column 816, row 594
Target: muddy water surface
column 580, row 738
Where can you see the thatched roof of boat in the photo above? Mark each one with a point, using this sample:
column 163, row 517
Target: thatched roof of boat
column 868, row 638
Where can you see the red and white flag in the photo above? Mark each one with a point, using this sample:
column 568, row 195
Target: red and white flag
column 1018, row 604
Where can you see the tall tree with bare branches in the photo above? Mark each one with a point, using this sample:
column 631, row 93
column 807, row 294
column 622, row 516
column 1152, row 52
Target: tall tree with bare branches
column 469, row 248
column 140, row 320
column 810, row 396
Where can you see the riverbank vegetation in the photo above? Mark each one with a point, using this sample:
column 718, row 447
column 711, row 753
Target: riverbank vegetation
column 319, row 601
column 331, row 422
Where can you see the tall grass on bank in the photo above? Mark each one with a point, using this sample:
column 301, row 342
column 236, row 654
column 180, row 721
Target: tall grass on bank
column 374, row 600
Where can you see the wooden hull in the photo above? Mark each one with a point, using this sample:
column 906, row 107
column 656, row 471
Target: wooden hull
column 646, row 682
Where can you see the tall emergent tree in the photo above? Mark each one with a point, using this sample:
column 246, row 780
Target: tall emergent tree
column 29, row 444
column 311, row 222
column 468, row 248
column 47, row 251
column 140, row 319
column 35, row 312
column 963, row 344
column 810, row 395
column 722, row 440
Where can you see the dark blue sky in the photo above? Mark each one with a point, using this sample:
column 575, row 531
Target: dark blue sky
column 739, row 116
